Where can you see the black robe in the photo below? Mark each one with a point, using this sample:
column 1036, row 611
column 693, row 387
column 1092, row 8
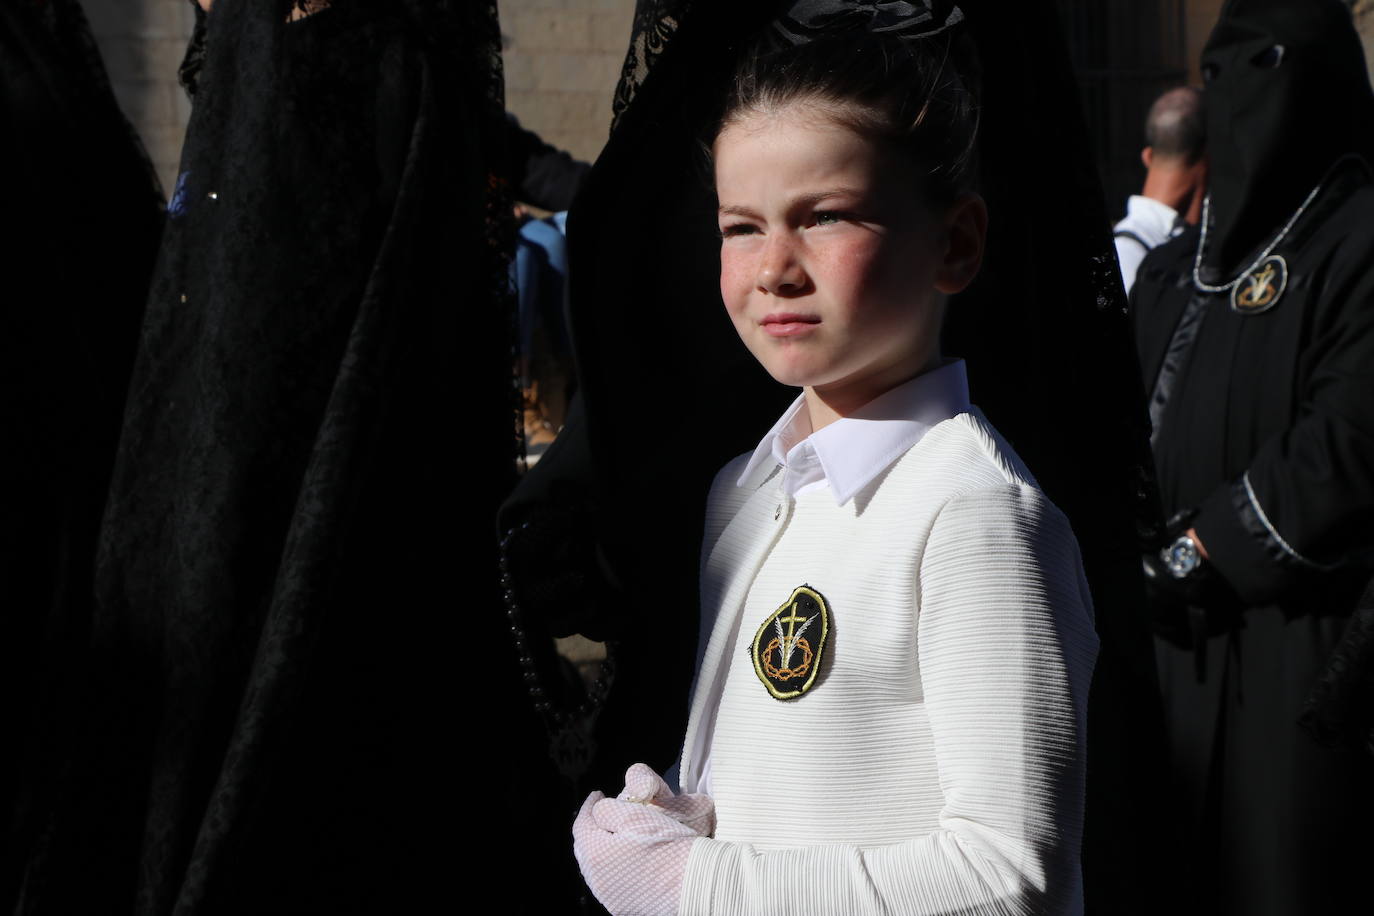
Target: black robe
column 1281, row 400
column 1264, row 443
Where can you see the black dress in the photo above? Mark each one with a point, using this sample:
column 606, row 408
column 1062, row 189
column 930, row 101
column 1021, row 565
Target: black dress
column 82, row 213
column 297, row 653
column 1282, row 401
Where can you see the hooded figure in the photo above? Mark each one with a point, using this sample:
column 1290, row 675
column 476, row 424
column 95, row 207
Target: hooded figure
column 1256, row 340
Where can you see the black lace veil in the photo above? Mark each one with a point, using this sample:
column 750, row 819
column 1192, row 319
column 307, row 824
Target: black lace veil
column 82, row 212
column 296, row 579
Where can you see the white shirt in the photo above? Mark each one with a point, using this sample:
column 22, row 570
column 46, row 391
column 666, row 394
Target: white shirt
column 846, row 455
column 937, row 765
column 849, row 453
column 1147, row 224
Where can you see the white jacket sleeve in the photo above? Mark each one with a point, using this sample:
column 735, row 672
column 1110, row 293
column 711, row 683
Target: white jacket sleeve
column 1006, row 648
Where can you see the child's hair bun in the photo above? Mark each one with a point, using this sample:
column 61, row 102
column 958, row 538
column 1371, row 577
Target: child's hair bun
column 883, row 77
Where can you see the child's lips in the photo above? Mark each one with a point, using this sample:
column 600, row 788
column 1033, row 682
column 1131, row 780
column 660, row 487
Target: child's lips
column 788, row 324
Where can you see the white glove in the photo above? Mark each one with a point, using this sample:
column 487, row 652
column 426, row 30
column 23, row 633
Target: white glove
column 633, row 854
column 645, row 786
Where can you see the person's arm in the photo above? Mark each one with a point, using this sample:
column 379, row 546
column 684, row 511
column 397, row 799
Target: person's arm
column 1306, row 501
column 540, row 173
column 1130, row 251
column 1006, row 648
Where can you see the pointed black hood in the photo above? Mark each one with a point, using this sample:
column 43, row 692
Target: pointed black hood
column 1275, row 72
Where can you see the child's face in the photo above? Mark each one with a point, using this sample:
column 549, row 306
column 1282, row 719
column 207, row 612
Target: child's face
column 829, row 261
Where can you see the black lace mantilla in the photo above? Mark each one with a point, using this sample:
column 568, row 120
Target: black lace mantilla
column 297, row 566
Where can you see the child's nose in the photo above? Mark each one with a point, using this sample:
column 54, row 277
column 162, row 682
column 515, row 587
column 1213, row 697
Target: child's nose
column 780, row 269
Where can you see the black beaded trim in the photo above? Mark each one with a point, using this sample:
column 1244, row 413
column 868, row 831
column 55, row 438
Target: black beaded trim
column 557, row 719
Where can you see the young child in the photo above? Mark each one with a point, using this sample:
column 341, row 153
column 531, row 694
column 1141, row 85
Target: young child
column 897, row 636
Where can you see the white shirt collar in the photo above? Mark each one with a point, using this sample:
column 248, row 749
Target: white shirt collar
column 849, row 453
column 1155, row 218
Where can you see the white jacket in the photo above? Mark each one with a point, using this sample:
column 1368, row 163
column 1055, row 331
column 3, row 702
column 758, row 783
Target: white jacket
column 936, row 765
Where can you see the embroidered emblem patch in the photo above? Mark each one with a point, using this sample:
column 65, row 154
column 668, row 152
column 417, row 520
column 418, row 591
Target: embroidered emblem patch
column 1259, row 289
column 788, row 646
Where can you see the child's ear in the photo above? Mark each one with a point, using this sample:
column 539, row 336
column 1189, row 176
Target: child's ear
column 966, row 229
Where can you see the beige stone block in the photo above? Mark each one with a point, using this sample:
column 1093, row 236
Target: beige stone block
column 521, row 71
column 135, row 59
column 508, row 8
column 540, row 117
column 611, row 31
column 568, row 114
column 627, row 7
column 1363, row 11
column 577, row 72
column 522, row 102
column 164, row 149
column 580, row 110
column 146, row 102
column 180, row 105
column 156, row 18
column 188, row 17
column 550, row 30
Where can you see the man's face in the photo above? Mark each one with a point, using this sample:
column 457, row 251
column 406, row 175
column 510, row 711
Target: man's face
column 828, row 257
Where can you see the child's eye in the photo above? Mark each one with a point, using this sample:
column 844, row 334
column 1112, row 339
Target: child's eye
column 736, row 229
column 828, row 217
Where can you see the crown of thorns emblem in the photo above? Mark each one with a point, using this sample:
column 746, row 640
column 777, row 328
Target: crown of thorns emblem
column 788, row 645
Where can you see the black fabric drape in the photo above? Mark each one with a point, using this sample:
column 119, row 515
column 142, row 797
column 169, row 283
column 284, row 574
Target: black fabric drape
column 297, row 648
column 670, row 394
column 82, row 213
column 1051, row 362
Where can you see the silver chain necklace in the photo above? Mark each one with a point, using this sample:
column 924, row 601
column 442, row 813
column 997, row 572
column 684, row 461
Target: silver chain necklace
column 1268, row 249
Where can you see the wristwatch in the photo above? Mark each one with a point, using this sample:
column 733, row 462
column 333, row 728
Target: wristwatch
column 1181, row 557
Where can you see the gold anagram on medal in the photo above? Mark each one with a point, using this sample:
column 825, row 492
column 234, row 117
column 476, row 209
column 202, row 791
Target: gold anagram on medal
column 1260, row 290
column 786, row 645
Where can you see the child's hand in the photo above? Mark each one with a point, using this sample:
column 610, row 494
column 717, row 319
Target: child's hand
column 644, row 786
column 633, row 849
column 633, row 855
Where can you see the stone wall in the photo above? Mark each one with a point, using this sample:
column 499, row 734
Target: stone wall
column 142, row 42
column 1363, row 11
column 562, row 60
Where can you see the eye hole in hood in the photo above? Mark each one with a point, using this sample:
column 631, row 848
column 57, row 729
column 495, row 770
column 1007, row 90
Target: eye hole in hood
column 1269, row 59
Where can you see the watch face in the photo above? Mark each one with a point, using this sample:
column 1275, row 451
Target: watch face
column 1180, row 557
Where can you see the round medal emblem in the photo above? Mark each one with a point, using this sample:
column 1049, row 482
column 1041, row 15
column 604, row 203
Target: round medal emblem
column 1259, row 289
